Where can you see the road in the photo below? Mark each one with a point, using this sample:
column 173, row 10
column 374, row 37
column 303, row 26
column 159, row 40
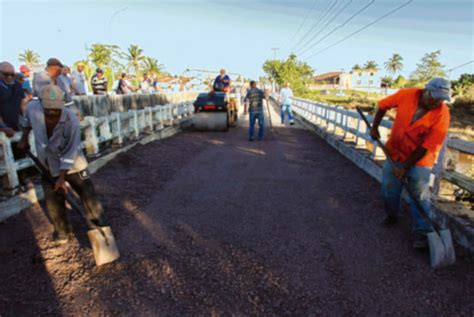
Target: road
column 212, row 224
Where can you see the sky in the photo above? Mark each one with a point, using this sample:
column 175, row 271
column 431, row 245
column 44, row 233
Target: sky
column 239, row 35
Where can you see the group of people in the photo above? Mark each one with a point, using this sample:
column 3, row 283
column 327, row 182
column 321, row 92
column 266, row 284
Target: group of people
column 56, row 129
column 418, row 131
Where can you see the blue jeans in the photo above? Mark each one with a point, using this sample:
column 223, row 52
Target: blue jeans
column 253, row 116
column 418, row 179
column 286, row 108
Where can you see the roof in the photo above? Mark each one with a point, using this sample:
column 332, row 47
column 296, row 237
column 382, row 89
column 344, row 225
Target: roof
column 327, row 76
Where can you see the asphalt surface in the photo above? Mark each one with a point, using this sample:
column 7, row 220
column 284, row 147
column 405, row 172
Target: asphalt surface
column 212, row 224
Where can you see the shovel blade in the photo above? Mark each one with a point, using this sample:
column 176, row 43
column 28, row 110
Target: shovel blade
column 441, row 249
column 104, row 249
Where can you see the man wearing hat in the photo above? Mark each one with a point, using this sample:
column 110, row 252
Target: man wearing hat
column 50, row 76
column 419, row 129
column 58, row 146
column 79, row 79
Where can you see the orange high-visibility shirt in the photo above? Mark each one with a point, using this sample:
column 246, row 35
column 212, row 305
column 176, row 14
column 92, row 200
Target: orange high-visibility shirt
column 428, row 131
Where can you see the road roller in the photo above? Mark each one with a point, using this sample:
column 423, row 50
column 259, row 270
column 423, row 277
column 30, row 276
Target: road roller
column 215, row 111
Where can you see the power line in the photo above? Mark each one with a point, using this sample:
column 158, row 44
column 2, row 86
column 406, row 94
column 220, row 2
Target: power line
column 316, row 24
column 304, row 21
column 462, row 65
column 340, row 26
column 326, row 25
column 362, row 28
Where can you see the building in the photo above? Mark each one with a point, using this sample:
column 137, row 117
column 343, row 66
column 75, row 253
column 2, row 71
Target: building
column 339, row 80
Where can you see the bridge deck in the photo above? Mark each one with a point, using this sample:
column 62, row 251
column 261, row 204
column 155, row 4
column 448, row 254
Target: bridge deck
column 211, row 223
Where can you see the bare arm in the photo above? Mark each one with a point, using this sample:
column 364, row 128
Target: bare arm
column 374, row 132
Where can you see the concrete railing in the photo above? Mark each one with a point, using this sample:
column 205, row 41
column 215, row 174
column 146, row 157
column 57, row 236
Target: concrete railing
column 114, row 129
column 348, row 125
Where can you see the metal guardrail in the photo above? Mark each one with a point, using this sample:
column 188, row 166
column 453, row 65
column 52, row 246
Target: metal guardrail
column 347, row 125
column 115, row 128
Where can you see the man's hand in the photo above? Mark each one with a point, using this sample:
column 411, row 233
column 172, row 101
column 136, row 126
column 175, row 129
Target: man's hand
column 60, row 185
column 399, row 172
column 8, row 131
column 374, row 134
column 23, row 145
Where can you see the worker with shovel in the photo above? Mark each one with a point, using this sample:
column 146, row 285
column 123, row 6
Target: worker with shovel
column 58, row 145
column 420, row 126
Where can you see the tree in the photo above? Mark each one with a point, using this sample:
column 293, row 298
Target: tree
column 357, row 68
column 387, row 80
column 399, row 82
column 394, row 64
column 291, row 70
column 29, row 57
column 135, row 58
column 151, row 66
column 100, row 55
column 371, row 66
column 429, row 67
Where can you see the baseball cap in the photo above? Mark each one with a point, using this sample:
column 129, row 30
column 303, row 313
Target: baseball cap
column 24, row 69
column 440, row 88
column 54, row 62
column 81, row 64
column 52, row 97
column 99, row 70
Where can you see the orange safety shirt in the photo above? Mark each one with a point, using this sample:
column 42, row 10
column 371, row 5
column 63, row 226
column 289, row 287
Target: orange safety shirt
column 428, row 131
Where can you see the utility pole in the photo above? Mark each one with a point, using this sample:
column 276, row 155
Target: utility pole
column 274, row 49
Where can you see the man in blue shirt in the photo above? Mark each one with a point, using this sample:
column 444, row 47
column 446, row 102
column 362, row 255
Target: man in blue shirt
column 222, row 82
column 11, row 99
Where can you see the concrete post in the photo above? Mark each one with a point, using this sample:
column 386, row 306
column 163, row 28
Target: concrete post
column 92, row 143
column 117, row 128
column 11, row 180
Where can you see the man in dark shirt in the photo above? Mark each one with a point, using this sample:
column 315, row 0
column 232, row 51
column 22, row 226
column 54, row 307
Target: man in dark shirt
column 255, row 98
column 99, row 83
column 222, row 82
column 11, row 99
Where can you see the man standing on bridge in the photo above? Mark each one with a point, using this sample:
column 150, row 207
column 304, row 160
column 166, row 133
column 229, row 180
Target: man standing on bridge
column 417, row 134
column 58, row 144
column 255, row 98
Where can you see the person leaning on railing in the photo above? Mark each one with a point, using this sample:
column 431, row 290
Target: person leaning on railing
column 58, row 145
column 417, row 134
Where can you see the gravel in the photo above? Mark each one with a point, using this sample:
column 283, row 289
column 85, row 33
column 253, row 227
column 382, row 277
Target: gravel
column 211, row 224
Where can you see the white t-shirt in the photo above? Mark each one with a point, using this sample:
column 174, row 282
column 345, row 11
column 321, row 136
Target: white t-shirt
column 285, row 95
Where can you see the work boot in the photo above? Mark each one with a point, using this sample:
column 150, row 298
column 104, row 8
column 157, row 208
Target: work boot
column 60, row 238
column 390, row 221
column 420, row 241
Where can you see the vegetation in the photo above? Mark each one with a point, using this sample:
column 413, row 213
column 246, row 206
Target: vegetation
column 429, row 67
column 394, row 64
column 291, row 70
column 29, row 57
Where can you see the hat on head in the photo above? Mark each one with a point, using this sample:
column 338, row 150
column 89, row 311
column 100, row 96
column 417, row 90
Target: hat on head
column 80, row 64
column 52, row 97
column 440, row 88
column 54, row 62
column 24, row 69
column 99, row 70
column 19, row 76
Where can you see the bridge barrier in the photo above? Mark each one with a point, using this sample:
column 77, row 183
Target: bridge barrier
column 344, row 130
column 114, row 129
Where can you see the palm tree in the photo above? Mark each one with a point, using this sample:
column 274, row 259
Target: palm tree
column 371, row 66
column 100, row 55
column 151, row 66
column 29, row 57
column 135, row 57
column 394, row 64
column 357, row 69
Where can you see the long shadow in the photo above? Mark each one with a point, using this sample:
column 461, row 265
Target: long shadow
column 25, row 282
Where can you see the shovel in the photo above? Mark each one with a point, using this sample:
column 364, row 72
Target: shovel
column 440, row 240
column 102, row 240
